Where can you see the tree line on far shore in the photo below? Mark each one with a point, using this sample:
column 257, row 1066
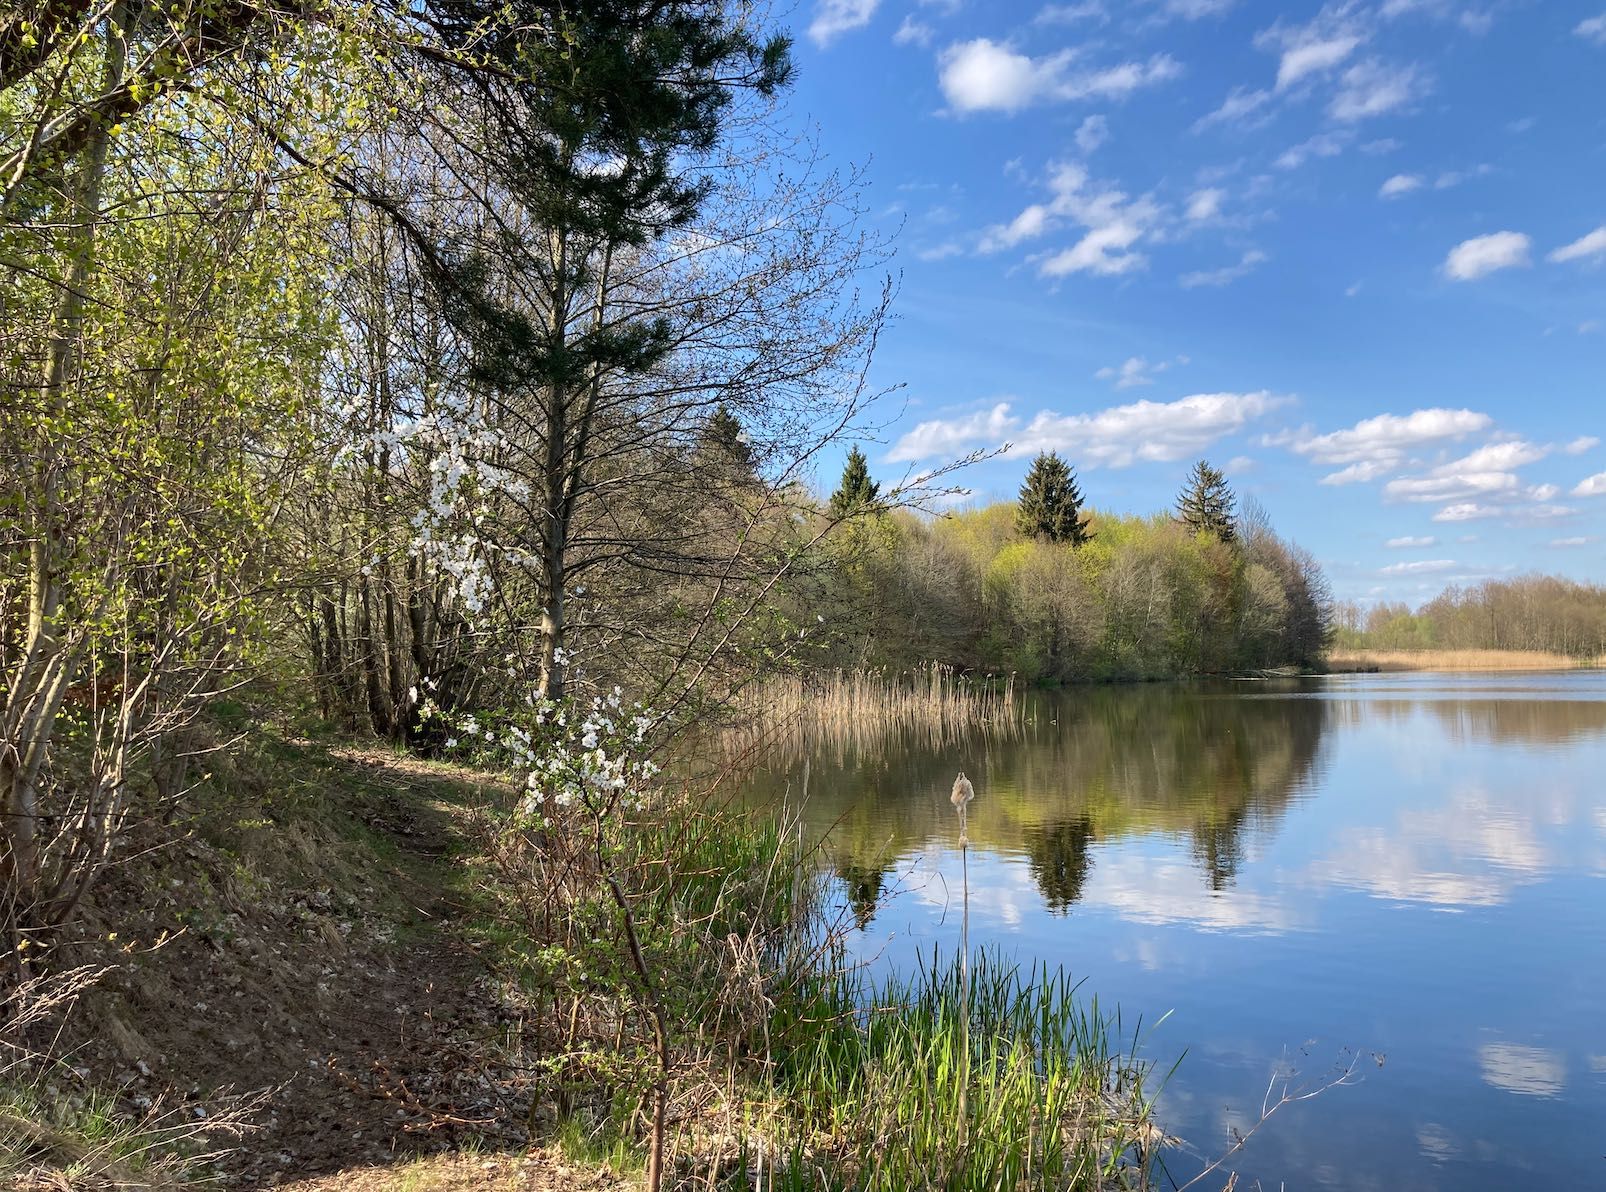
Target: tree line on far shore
column 1531, row 612
column 1055, row 590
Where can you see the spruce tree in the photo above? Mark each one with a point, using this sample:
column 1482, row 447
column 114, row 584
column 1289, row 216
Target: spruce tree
column 723, row 435
column 857, row 492
column 1050, row 506
column 1205, row 503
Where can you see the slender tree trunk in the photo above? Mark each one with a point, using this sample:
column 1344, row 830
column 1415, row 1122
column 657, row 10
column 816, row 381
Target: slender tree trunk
column 35, row 692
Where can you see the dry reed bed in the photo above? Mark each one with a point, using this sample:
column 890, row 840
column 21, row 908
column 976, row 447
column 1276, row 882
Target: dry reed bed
column 1456, row 660
column 853, row 708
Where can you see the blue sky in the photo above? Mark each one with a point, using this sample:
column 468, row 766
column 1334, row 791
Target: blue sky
column 1354, row 253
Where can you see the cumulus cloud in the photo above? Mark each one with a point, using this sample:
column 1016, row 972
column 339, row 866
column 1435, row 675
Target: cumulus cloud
column 1409, row 543
column 1374, row 447
column 1591, row 486
column 1586, row 248
column 1581, row 444
column 1226, row 275
column 954, row 436
column 833, row 18
column 1482, row 255
column 1113, row 223
column 984, row 75
column 1592, row 29
column 1146, row 431
column 1400, row 184
column 1473, row 511
column 1488, row 472
column 1116, row 437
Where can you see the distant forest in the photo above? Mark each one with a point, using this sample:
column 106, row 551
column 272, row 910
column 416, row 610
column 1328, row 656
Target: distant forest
column 1531, row 612
column 1055, row 592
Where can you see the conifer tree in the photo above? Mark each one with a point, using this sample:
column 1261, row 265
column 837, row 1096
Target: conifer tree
column 1050, row 505
column 857, row 492
column 1205, row 504
column 724, row 435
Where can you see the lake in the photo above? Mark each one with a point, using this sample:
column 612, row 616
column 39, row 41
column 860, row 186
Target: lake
column 1401, row 873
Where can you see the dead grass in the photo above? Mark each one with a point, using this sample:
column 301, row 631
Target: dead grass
column 859, row 707
column 1454, row 660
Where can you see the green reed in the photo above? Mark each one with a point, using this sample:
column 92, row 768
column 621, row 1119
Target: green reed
column 884, row 1096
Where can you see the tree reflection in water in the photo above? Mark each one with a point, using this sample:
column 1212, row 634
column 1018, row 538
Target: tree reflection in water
column 1216, row 762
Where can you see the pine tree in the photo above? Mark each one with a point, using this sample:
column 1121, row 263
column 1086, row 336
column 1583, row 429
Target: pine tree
column 857, row 492
column 1050, row 505
column 1205, row 503
column 723, row 435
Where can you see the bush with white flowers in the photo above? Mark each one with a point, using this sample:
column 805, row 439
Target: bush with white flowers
column 566, row 754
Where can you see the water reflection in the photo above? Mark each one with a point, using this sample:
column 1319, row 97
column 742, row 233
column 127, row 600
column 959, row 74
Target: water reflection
column 1409, row 865
column 1095, row 765
column 1218, row 765
column 1526, row 1071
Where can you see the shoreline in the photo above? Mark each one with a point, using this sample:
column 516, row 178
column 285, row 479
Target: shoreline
column 1368, row 661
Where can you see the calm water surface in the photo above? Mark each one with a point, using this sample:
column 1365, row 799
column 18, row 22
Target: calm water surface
column 1406, row 870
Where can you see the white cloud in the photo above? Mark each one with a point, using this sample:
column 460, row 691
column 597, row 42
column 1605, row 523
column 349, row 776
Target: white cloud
column 1241, row 104
column 1544, row 492
column 1205, row 204
column 1564, row 543
column 1410, row 543
column 1146, row 431
column 1361, row 473
column 1114, row 225
column 1486, row 472
column 1133, row 372
column 984, row 75
column 1314, row 56
column 954, row 436
column 1472, row 511
column 1193, row 10
column 1376, row 446
column 1590, row 247
column 1456, row 177
column 1326, row 144
column 941, row 252
column 1071, row 14
column 833, row 18
column 1315, row 47
column 1091, row 133
column 1419, row 567
column 1372, row 88
column 1592, row 29
column 1450, row 488
column 1103, row 250
column 913, row 33
column 1227, row 274
column 1581, row 444
column 1028, row 225
column 1482, row 255
column 1526, row 1071
column 1591, row 486
column 1400, row 184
